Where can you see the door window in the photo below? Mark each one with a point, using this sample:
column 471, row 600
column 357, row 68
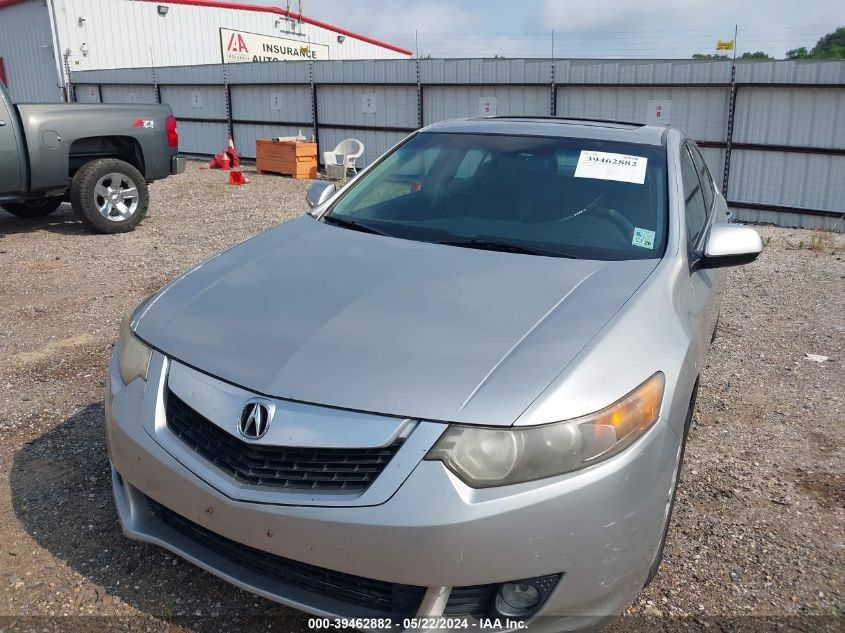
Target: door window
column 704, row 177
column 695, row 206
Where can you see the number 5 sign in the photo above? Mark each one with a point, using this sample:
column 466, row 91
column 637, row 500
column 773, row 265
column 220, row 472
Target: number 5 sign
column 659, row 112
column 487, row 106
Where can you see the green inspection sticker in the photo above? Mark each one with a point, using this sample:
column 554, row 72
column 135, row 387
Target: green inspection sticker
column 643, row 238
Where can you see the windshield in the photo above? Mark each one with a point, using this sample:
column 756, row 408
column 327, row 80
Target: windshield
column 562, row 197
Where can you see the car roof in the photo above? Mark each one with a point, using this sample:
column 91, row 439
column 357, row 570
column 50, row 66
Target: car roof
column 597, row 129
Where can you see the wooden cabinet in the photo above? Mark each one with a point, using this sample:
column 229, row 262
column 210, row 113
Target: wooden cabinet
column 286, row 157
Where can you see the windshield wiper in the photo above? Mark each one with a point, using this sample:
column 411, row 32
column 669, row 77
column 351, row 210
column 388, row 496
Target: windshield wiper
column 505, row 247
column 353, row 224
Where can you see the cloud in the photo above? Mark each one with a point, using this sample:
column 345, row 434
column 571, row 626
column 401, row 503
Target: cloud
column 584, row 28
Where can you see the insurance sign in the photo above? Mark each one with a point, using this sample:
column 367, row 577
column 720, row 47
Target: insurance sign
column 240, row 46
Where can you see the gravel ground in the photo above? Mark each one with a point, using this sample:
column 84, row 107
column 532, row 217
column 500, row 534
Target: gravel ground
column 756, row 540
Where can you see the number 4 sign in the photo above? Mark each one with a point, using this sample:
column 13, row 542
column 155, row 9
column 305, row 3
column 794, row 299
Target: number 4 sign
column 659, row 112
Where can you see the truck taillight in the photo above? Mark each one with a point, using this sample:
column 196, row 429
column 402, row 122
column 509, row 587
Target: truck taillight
column 172, row 134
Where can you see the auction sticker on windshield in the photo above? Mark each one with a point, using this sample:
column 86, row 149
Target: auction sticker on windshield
column 608, row 166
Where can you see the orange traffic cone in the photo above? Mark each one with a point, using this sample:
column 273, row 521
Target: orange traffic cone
column 224, row 161
column 230, row 150
column 237, row 177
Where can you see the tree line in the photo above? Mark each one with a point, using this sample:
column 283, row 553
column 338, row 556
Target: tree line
column 830, row 46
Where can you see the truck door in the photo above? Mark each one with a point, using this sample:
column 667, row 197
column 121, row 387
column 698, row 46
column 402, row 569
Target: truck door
column 10, row 154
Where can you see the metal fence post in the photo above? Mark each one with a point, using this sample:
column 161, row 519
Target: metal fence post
column 314, row 113
column 420, row 118
column 729, row 133
column 554, row 87
column 156, row 87
column 228, row 96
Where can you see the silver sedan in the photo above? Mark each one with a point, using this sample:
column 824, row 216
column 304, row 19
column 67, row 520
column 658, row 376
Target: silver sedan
column 459, row 386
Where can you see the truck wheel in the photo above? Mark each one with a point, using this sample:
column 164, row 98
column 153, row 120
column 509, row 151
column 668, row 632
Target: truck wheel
column 109, row 195
column 32, row 208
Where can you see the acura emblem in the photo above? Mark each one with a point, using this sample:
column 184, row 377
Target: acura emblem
column 255, row 420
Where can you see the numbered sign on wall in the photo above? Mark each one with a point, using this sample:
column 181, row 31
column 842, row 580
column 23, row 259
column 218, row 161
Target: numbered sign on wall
column 487, row 106
column 275, row 100
column 196, row 99
column 368, row 103
column 93, row 94
column 659, row 112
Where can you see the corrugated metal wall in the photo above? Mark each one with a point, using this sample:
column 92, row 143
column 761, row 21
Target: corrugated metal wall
column 786, row 141
column 26, row 46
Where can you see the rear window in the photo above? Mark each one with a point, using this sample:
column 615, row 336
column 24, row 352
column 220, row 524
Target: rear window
column 573, row 197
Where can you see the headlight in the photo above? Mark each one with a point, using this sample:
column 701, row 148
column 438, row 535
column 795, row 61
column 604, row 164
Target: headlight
column 134, row 356
column 485, row 457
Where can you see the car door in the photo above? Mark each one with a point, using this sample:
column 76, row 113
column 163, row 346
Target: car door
column 700, row 299
column 10, row 167
column 717, row 210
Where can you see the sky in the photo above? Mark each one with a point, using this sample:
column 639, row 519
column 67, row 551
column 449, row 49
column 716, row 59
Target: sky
column 582, row 28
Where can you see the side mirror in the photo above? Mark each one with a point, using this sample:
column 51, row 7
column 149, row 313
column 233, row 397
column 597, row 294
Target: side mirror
column 730, row 245
column 320, row 192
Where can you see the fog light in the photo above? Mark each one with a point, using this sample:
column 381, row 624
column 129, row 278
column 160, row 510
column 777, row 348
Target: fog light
column 520, row 596
column 522, row 599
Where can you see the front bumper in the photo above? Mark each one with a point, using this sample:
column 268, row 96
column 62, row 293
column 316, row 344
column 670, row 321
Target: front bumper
column 599, row 527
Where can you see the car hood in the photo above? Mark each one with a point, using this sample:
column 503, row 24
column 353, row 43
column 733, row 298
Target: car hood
column 326, row 315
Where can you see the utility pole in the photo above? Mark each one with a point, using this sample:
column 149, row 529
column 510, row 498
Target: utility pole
column 417, row 42
column 553, row 44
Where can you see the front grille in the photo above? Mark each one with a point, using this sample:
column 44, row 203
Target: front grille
column 347, row 469
column 368, row 596
column 476, row 601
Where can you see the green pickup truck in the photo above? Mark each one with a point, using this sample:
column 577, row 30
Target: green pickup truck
column 98, row 157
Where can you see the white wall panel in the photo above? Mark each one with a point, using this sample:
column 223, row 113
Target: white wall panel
column 195, row 102
column 785, row 116
column 87, row 93
column 202, row 137
column 805, row 71
column 789, row 179
column 701, row 112
column 128, row 94
column 260, row 103
column 441, row 103
column 642, row 71
column 485, row 71
column 393, row 106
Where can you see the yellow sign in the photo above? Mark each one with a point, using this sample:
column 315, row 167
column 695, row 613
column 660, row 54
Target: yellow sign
column 724, row 45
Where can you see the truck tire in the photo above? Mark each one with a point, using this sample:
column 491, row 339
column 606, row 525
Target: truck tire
column 109, row 195
column 32, row 208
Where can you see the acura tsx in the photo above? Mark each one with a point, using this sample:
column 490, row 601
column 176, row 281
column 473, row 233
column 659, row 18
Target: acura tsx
column 460, row 386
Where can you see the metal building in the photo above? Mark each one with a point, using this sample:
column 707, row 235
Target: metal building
column 42, row 41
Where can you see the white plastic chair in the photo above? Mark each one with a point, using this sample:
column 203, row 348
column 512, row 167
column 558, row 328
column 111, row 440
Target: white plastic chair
column 343, row 157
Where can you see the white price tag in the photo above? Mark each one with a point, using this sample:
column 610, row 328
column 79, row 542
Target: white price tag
column 607, row 166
